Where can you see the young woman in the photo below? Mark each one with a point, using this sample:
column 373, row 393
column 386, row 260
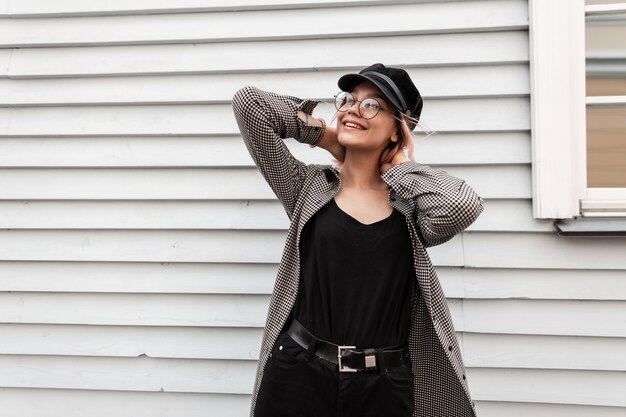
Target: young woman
column 358, row 324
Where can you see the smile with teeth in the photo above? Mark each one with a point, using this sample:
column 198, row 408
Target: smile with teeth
column 353, row 125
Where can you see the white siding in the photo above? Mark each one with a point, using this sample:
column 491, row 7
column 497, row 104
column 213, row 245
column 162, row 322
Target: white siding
column 139, row 243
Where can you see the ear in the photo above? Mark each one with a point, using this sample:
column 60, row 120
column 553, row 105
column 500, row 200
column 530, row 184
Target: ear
column 394, row 136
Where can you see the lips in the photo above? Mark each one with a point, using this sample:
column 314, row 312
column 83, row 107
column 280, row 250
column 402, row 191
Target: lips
column 352, row 124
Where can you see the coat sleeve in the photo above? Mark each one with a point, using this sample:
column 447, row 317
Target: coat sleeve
column 444, row 205
column 265, row 119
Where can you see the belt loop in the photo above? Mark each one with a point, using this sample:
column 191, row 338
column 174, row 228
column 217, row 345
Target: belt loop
column 310, row 351
column 380, row 361
column 371, row 359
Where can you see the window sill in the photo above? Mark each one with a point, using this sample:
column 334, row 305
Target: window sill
column 592, row 226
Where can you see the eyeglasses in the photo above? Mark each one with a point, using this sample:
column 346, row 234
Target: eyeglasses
column 368, row 108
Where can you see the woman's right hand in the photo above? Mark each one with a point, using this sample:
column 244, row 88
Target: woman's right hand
column 329, row 140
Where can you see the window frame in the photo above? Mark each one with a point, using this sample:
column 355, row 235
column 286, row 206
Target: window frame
column 558, row 131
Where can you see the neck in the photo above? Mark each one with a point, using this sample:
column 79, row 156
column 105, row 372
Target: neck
column 361, row 170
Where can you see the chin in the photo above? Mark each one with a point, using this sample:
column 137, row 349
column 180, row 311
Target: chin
column 355, row 141
column 345, row 138
column 348, row 142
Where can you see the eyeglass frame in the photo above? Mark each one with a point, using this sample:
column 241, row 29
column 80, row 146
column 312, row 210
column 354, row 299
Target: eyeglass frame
column 359, row 107
column 402, row 118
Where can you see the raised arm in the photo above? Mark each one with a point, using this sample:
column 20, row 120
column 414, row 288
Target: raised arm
column 265, row 119
column 445, row 205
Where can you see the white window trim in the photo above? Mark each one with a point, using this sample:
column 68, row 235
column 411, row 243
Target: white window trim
column 558, row 114
column 558, row 130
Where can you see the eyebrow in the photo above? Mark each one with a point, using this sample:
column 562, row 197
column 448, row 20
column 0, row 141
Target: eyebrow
column 377, row 95
column 380, row 96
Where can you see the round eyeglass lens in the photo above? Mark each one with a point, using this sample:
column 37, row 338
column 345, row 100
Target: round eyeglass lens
column 369, row 108
column 343, row 101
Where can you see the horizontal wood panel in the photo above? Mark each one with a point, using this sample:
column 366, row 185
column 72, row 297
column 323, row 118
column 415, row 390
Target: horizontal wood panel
column 469, row 282
column 5, row 62
column 562, row 317
column 30, row 8
column 37, row 402
column 241, row 343
column 160, row 246
column 601, row 388
column 468, row 16
column 136, row 277
column 258, row 278
column 499, row 215
column 182, row 151
column 128, row 374
column 503, row 47
column 486, row 350
column 525, row 409
column 555, row 284
column 145, row 246
column 508, row 215
column 135, row 309
column 507, row 181
column 479, row 349
column 456, row 115
column 543, row 250
column 537, row 317
column 433, row 83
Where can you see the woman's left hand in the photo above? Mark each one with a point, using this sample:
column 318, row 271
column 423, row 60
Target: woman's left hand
column 398, row 158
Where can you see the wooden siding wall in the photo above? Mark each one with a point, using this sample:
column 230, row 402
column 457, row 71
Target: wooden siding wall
column 139, row 243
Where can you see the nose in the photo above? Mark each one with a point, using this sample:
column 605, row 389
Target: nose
column 357, row 111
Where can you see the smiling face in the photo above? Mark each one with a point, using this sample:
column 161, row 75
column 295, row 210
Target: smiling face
column 368, row 134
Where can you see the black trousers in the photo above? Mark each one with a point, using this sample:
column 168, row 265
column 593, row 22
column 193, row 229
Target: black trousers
column 297, row 383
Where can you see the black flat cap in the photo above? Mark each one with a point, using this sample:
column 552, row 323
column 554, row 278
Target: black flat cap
column 394, row 83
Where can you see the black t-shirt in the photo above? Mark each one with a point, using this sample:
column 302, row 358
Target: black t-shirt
column 356, row 280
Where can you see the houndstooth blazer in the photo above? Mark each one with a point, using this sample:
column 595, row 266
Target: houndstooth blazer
column 436, row 205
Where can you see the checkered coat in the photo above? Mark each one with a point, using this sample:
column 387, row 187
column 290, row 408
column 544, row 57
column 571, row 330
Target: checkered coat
column 436, row 205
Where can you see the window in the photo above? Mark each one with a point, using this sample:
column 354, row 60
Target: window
column 605, row 50
column 578, row 110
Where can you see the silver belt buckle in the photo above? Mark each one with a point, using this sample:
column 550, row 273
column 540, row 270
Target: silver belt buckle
column 341, row 367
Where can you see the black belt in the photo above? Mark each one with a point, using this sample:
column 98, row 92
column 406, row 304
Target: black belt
column 348, row 358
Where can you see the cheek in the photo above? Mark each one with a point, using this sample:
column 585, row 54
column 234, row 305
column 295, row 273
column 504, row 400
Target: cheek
column 382, row 131
column 386, row 131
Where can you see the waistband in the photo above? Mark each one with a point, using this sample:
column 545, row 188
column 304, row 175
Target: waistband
column 348, row 358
